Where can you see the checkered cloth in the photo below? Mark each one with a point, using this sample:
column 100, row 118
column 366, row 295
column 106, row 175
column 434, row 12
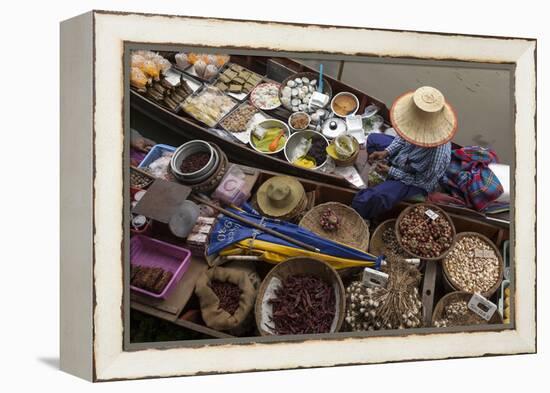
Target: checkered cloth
column 469, row 178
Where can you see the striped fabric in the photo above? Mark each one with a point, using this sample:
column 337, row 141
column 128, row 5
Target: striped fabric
column 469, row 178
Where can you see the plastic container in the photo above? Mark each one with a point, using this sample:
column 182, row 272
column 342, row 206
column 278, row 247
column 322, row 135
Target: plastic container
column 145, row 251
column 155, row 153
column 233, row 189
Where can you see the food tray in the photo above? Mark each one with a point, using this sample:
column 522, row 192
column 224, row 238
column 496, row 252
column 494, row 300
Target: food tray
column 193, row 83
column 201, row 91
column 244, row 136
column 146, row 251
column 237, row 96
column 190, row 70
column 156, row 152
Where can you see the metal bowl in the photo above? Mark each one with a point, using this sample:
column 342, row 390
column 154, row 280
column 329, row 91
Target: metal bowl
column 271, row 123
column 296, row 114
column 341, row 94
column 294, row 139
column 185, row 151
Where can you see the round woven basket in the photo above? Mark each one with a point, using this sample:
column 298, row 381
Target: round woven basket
column 353, row 230
column 294, row 266
column 439, row 211
column 454, row 285
column 327, row 89
column 376, row 245
column 457, row 296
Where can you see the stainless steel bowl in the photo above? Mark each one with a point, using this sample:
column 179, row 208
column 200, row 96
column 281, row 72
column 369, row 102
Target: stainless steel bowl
column 271, row 123
column 294, row 139
column 185, row 151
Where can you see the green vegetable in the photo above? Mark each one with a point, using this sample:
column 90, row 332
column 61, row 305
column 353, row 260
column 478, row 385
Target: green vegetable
column 270, row 135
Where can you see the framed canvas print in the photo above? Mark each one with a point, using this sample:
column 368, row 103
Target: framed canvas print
column 303, row 196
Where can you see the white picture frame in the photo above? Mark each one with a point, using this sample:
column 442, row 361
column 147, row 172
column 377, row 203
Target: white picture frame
column 92, row 196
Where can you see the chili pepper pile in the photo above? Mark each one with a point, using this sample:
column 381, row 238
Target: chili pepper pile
column 229, row 295
column 303, row 304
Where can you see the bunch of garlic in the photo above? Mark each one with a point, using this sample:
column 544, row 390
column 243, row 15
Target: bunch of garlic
column 376, row 308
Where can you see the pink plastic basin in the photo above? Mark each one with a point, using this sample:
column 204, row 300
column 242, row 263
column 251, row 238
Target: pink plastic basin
column 145, row 251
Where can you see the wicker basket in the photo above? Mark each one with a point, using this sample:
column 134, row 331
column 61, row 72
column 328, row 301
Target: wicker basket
column 457, row 296
column 441, row 213
column 452, row 284
column 294, row 266
column 353, row 230
column 327, row 89
column 376, row 246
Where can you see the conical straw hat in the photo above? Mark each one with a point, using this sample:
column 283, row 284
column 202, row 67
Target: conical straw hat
column 423, row 117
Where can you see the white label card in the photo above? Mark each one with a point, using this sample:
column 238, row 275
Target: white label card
column 374, row 278
column 480, row 253
column 430, row 213
column 481, row 306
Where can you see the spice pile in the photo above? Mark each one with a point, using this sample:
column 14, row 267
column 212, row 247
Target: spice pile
column 458, row 314
column 424, row 236
column 472, row 265
column 398, row 306
column 152, row 279
column 139, row 180
column 391, row 245
column 329, row 221
column 303, row 304
column 299, row 121
column 194, row 162
column 228, row 294
column 237, row 120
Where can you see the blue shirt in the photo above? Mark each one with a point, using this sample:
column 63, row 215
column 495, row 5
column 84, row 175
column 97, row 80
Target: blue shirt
column 418, row 166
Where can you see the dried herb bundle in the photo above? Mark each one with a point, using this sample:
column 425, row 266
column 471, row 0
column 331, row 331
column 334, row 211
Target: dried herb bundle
column 397, row 306
column 303, row 304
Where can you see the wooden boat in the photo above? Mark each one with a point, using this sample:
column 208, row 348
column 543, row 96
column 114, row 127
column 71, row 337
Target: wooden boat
column 276, row 69
column 186, row 317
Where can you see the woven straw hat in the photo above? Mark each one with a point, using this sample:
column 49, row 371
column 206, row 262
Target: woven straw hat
column 279, row 196
column 423, row 117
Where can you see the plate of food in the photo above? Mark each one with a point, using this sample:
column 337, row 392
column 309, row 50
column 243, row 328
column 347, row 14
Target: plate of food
column 265, row 96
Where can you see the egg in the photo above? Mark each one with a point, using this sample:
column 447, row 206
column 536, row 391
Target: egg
column 295, row 109
column 298, row 81
column 291, row 84
column 287, row 91
column 313, row 82
column 294, row 92
column 305, row 80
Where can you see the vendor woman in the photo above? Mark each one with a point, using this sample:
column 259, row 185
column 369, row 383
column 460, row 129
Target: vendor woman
column 415, row 160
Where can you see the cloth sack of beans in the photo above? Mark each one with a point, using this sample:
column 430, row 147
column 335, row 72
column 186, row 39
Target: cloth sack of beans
column 226, row 297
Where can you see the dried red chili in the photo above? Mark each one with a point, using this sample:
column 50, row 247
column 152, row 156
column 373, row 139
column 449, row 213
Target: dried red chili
column 303, row 304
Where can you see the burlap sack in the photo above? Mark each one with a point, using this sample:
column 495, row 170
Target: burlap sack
column 213, row 316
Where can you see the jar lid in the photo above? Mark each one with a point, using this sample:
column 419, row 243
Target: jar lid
column 334, row 127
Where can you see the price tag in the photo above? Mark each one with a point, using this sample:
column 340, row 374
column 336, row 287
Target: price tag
column 413, row 261
column 374, row 278
column 482, row 253
column 481, row 306
column 433, row 215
